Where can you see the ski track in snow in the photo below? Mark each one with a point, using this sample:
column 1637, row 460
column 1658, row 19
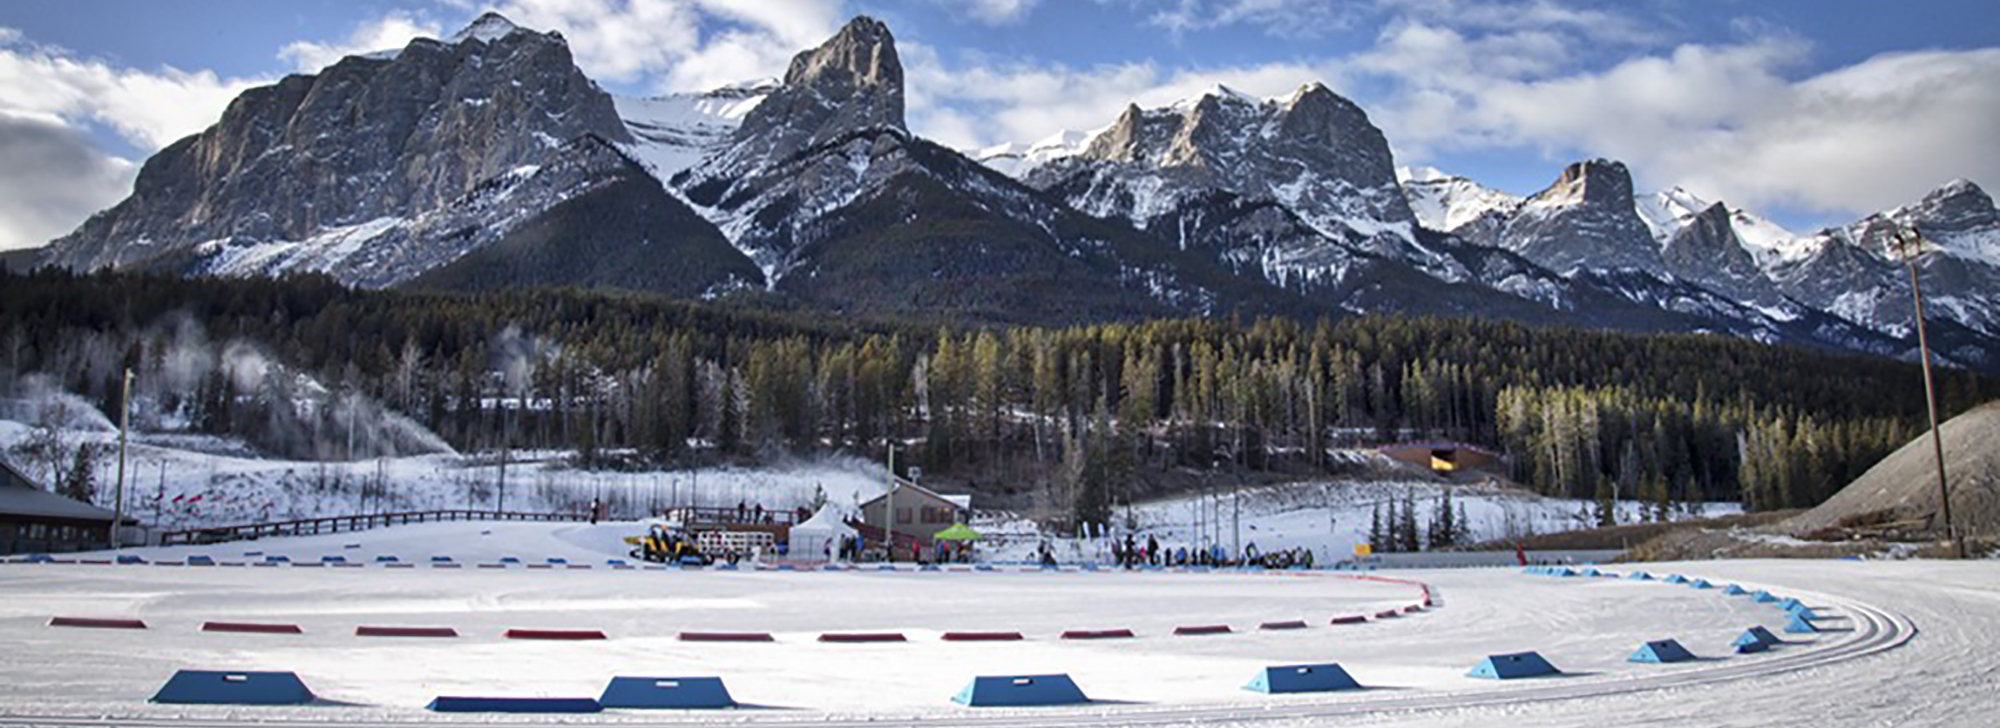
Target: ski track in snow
column 1872, row 666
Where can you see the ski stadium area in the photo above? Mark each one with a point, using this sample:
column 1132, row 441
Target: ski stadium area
column 379, row 625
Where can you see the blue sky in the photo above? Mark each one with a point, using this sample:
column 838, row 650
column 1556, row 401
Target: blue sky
column 1810, row 111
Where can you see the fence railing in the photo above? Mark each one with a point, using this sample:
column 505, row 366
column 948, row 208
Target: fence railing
column 341, row 524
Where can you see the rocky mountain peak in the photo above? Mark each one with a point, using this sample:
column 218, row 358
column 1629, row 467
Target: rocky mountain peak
column 861, row 55
column 1957, row 206
column 488, row 27
column 851, row 82
column 1596, row 181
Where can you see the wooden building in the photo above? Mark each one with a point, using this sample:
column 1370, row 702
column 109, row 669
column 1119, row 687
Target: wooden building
column 33, row 520
column 920, row 512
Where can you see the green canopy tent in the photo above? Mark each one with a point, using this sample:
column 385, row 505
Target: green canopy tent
column 957, row 532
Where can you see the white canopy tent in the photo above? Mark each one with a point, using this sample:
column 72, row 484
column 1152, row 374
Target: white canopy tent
column 818, row 538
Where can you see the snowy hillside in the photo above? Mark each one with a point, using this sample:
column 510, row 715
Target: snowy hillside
column 671, row 133
column 188, row 481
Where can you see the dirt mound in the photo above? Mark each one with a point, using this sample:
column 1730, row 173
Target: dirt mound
column 1899, row 496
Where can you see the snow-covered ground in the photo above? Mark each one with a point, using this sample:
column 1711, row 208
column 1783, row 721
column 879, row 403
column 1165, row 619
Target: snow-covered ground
column 187, row 481
column 179, row 481
column 1858, row 672
column 1328, row 518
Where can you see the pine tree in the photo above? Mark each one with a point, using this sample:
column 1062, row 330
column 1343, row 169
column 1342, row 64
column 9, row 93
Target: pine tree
column 1376, row 538
column 1411, row 537
column 81, row 482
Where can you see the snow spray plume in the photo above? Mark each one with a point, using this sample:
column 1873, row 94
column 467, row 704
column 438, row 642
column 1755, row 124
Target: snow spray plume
column 37, row 400
column 298, row 416
column 514, row 356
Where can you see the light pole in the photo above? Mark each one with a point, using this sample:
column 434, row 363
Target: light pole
column 124, row 423
column 889, row 507
column 1911, row 245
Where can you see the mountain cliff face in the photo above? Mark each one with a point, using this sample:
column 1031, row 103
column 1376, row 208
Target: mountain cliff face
column 1857, row 271
column 370, row 139
column 842, row 207
column 1707, row 250
column 1587, row 218
column 1314, row 152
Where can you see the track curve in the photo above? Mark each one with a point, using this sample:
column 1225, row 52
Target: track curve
column 1870, row 630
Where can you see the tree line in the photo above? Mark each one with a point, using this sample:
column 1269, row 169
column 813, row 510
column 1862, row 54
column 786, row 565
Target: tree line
column 1076, row 418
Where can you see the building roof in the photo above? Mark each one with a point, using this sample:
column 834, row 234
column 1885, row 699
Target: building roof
column 20, row 497
column 963, row 502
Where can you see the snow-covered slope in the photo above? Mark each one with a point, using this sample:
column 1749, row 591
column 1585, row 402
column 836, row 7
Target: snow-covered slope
column 1015, row 159
column 1444, row 202
column 671, row 133
column 1668, row 211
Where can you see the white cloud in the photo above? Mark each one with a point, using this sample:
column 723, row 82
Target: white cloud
column 51, row 178
column 1282, row 18
column 393, row 30
column 983, row 103
column 993, row 12
column 681, row 45
column 149, row 108
column 1727, row 120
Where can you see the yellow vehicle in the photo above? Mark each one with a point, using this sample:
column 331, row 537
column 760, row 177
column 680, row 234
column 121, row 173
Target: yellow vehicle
column 667, row 543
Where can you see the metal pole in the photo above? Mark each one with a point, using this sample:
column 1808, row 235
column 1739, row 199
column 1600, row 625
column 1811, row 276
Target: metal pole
column 1912, row 247
column 889, row 507
column 124, row 423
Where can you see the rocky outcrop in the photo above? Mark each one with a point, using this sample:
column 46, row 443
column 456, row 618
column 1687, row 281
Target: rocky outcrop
column 386, row 136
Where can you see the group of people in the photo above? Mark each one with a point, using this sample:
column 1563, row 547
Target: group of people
column 1131, row 554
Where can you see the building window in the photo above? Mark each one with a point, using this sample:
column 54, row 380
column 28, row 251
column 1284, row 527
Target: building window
column 902, row 515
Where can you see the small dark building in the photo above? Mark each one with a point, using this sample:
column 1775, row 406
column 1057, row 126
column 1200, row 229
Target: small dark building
column 33, row 520
column 1445, row 458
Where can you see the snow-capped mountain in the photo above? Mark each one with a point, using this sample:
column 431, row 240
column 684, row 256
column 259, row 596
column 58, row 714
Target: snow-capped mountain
column 1444, row 202
column 1015, row 158
column 320, row 164
column 489, row 160
column 823, row 185
column 1857, row 271
column 1312, row 152
column 1586, row 219
column 671, row 133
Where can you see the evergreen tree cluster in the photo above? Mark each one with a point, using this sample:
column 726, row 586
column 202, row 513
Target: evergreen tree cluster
column 1077, row 416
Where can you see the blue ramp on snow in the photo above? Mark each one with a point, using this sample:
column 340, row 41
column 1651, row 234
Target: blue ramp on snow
column 1509, row 667
column 1763, row 597
column 1734, row 590
column 1799, row 625
column 1321, row 678
column 1805, row 613
column 1660, row 652
column 1755, row 639
column 1791, row 603
column 211, row 687
column 659, row 693
column 1676, row 579
column 1701, row 584
column 446, row 704
column 1017, row 690
column 1639, row 576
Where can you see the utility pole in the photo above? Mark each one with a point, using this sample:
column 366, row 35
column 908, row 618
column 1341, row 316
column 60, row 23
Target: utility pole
column 889, row 507
column 1912, row 245
column 124, row 423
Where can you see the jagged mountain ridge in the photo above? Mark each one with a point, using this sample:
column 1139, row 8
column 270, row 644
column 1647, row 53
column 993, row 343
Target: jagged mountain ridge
column 387, row 167
column 813, row 187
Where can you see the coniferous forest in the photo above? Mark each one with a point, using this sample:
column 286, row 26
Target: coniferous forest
column 1078, row 418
